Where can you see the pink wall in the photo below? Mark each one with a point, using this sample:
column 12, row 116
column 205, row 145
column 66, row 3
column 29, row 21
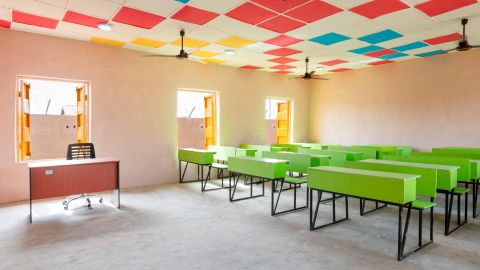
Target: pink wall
column 425, row 103
column 134, row 103
column 191, row 132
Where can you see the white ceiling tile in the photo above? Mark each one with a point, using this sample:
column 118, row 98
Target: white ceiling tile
column 400, row 17
column 458, row 14
column 350, row 44
column 216, row 5
column 162, row 8
column 167, row 49
column 347, row 3
column 32, row 29
column 37, row 8
column 399, row 42
column 257, row 33
column 97, row 8
column 58, row 3
column 5, row 14
column 76, row 28
column 261, row 47
column 416, row 26
column 114, row 36
column 413, row 3
column 360, row 29
column 435, row 32
column 227, row 25
column 127, row 29
column 174, row 26
column 215, row 48
column 5, row 3
column 139, row 48
column 208, row 34
column 327, row 25
column 166, row 37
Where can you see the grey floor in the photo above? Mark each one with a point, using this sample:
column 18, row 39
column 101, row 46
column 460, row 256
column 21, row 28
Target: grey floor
column 178, row 227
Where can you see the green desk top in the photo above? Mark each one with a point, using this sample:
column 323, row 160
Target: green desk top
column 367, row 151
column 298, row 162
column 384, row 186
column 260, row 167
column 336, row 157
column 446, row 174
column 197, row 156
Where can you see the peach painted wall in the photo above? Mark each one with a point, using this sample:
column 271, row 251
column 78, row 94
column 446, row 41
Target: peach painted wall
column 134, row 103
column 425, row 103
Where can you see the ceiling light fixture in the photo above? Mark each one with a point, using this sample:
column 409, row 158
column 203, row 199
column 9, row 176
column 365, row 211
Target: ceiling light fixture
column 104, row 26
column 320, row 68
column 229, row 52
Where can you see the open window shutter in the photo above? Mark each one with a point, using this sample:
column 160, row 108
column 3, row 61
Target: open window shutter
column 24, row 122
column 283, row 122
column 82, row 110
column 209, row 120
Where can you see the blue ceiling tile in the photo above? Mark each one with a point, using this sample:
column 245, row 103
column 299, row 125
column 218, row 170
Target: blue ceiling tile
column 330, row 38
column 381, row 36
column 410, row 46
column 431, row 53
column 183, row 1
column 392, row 56
column 368, row 49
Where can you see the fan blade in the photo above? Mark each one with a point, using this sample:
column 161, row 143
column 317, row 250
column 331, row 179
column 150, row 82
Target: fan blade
column 454, row 49
column 159, row 55
column 474, row 46
column 318, row 78
column 311, row 73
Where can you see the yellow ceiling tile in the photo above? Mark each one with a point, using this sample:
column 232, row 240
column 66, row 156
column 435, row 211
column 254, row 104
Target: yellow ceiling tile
column 213, row 61
column 190, row 43
column 204, row 53
column 148, row 42
column 107, row 41
column 236, row 42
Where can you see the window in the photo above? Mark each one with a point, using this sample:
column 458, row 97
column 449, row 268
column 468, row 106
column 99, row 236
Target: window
column 50, row 115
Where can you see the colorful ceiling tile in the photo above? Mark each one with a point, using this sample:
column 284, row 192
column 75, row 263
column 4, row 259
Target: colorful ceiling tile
column 393, row 56
column 367, row 49
column 201, row 53
column 377, row 8
column 410, row 46
column 437, row 7
column 107, row 41
column 431, row 53
column 381, row 36
column 24, row 18
column 444, row 39
column 282, row 67
column 330, row 38
column 340, row 70
column 383, row 62
column 381, row 53
column 213, row 61
column 282, row 60
column 283, row 41
column 137, row 18
column 5, row 24
column 250, row 67
column 280, row 6
column 281, row 24
column 250, row 13
column 148, row 42
column 194, row 15
column 333, row 62
column 313, row 11
column 236, row 42
column 82, row 19
column 283, row 52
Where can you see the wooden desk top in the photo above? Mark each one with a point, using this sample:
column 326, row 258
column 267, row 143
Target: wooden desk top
column 64, row 162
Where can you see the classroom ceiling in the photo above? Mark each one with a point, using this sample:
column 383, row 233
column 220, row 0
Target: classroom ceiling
column 267, row 35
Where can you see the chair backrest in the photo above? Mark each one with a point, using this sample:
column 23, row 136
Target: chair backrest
column 80, row 151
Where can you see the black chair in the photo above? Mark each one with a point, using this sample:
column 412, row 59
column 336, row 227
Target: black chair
column 81, row 151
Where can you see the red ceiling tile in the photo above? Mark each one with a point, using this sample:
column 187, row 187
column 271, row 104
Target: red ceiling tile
column 137, row 18
column 5, row 24
column 250, row 67
column 35, row 20
column 74, row 17
column 340, row 69
column 281, row 24
column 381, row 62
column 444, row 39
column 282, row 52
column 280, row 6
column 380, row 53
column 377, row 8
column 313, row 11
column 333, row 62
column 437, row 7
column 282, row 60
column 283, row 72
column 194, row 15
column 250, row 13
column 282, row 67
column 283, row 41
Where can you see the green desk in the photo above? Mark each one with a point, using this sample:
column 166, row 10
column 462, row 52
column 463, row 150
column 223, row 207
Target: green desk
column 367, row 151
column 402, row 150
column 384, row 187
column 258, row 148
column 195, row 156
column 298, row 162
column 336, row 157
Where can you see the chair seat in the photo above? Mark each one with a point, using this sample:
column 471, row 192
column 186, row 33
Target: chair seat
column 460, row 190
column 295, row 180
column 422, row 205
column 220, row 166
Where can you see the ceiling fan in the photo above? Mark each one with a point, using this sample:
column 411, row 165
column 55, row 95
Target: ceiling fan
column 181, row 56
column 309, row 75
column 463, row 43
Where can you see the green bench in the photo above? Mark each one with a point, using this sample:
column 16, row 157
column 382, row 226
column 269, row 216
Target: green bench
column 403, row 150
column 368, row 152
column 263, row 168
column 336, row 157
column 297, row 163
column 383, row 187
column 199, row 157
column 426, row 186
column 463, row 175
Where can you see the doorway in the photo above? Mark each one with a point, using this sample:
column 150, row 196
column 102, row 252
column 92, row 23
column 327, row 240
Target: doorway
column 197, row 119
column 278, row 120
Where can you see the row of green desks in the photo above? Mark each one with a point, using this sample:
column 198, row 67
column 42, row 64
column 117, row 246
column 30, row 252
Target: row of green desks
column 382, row 187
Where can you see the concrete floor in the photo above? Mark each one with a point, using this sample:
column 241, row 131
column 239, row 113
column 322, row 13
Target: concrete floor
column 178, row 227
